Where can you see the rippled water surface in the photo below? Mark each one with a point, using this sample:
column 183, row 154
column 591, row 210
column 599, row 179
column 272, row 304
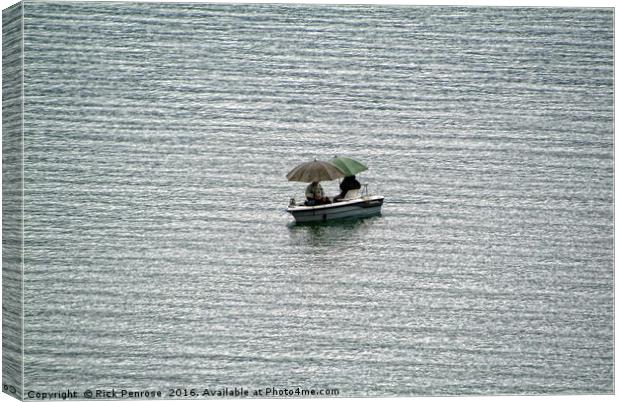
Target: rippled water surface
column 158, row 252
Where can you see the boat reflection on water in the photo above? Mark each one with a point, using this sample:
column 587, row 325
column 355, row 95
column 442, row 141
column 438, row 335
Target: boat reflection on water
column 349, row 222
column 330, row 233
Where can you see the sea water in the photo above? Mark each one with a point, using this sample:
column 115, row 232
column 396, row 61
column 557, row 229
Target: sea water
column 158, row 253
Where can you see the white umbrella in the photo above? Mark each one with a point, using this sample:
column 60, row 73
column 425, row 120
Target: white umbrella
column 314, row 171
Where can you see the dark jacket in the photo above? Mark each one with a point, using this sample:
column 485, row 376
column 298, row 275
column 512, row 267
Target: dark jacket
column 349, row 183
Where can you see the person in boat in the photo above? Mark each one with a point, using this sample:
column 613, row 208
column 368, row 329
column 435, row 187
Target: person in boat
column 348, row 183
column 315, row 194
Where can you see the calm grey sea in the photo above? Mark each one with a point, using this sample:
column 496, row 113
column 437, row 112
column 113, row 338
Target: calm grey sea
column 158, row 253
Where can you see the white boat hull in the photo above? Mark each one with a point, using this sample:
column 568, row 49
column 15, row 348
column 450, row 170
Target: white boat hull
column 355, row 208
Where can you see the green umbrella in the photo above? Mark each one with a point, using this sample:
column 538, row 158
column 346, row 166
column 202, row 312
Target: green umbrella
column 348, row 166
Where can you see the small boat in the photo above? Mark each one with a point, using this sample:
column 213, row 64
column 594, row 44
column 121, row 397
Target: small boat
column 351, row 207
